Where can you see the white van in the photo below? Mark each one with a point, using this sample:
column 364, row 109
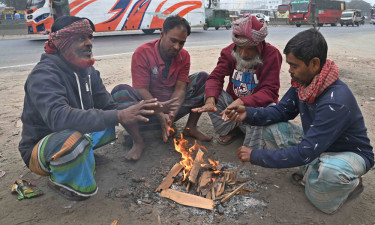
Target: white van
column 262, row 18
column 351, row 17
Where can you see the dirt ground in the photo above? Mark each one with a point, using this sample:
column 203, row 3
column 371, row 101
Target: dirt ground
column 126, row 189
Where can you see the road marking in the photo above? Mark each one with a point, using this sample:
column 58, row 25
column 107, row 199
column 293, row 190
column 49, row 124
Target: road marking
column 106, row 56
column 23, row 65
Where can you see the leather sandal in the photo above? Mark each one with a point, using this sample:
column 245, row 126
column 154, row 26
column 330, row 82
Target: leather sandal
column 297, row 179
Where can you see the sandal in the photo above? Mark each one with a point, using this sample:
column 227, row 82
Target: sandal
column 297, row 179
column 235, row 134
column 65, row 192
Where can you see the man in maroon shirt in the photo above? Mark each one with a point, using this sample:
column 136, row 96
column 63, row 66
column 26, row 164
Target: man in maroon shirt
column 160, row 69
column 253, row 67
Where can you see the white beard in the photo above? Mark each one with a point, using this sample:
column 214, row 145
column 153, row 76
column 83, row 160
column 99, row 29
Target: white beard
column 246, row 65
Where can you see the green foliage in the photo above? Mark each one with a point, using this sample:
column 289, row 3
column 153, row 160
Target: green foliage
column 17, row 4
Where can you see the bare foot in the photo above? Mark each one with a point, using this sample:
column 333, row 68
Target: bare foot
column 196, row 134
column 134, row 153
column 226, row 138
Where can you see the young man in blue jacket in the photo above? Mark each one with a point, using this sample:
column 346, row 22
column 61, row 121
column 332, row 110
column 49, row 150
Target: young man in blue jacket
column 67, row 111
column 335, row 150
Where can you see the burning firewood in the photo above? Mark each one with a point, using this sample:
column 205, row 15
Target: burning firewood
column 204, row 179
column 188, row 199
column 196, row 166
column 168, row 181
column 231, row 194
column 220, row 186
column 230, row 177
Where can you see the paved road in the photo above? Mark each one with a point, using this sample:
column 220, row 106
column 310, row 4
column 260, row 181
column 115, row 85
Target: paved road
column 16, row 52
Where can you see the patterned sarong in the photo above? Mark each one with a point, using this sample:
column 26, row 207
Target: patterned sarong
column 253, row 134
column 125, row 94
column 68, row 158
column 330, row 178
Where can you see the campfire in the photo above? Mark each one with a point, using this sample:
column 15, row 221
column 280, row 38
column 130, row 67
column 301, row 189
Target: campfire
column 204, row 180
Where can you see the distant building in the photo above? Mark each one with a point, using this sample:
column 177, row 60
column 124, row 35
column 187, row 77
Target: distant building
column 272, row 4
column 248, row 4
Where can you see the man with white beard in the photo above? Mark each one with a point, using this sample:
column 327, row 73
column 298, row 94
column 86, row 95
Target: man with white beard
column 253, row 67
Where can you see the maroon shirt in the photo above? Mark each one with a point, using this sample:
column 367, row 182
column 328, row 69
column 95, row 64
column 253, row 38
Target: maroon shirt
column 256, row 89
column 147, row 67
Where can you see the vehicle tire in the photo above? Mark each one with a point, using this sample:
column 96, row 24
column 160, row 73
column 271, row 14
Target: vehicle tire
column 357, row 24
column 227, row 27
column 333, row 24
column 342, row 24
column 298, row 25
column 347, row 24
column 205, row 27
column 148, row 31
column 216, row 28
column 319, row 24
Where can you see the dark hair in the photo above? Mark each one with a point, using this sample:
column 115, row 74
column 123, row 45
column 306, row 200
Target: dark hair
column 307, row 45
column 64, row 21
column 176, row 21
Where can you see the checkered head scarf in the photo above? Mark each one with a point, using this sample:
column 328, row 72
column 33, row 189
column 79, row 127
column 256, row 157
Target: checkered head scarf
column 63, row 37
column 249, row 26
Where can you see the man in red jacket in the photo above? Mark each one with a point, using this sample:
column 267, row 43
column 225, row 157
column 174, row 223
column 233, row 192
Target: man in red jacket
column 253, row 67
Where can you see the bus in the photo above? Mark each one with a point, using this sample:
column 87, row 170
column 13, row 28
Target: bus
column 315, row 12
column 282, row 11
column 113, row 15
column 372, row 14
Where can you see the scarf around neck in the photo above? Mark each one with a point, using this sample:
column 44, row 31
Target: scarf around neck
column 327, row 76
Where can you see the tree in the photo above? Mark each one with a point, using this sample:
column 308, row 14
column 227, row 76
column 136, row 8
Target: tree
column 365, row 7
column 17, row 4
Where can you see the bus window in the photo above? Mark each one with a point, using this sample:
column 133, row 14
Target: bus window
column 61, row 8
column 299, row 7
column 30, row 4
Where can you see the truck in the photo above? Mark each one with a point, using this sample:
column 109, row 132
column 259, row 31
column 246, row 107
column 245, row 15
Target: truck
column 317, row 12
column 351, row 17
column 113, row 15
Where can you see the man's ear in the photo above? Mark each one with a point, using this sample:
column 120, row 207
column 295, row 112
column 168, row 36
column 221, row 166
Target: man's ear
column 315, row 65
column 161, row 33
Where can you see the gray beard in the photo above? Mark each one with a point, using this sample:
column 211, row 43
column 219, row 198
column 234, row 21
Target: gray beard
column 246, row 65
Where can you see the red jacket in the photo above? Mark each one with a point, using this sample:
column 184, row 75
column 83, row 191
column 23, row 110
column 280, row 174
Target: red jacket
column 266, row 90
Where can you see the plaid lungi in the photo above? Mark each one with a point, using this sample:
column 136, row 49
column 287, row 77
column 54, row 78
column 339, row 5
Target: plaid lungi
column 328, row 179
column 253, row 134
column 67, row 157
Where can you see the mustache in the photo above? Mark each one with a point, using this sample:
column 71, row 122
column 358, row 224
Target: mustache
column 242, row 64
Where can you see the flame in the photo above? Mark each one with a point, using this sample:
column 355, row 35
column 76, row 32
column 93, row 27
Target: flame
column 181, row 146
column 171, row 130
column 213, row 163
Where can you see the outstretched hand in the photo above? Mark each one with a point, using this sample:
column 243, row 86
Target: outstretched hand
column 137, row 112
column 205, row 108
column 235, row 113
column 209, row 106
column 168, row 106
column 165, row 122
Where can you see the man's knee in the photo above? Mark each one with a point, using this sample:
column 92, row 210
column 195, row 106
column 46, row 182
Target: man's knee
column 120, row 87
column 282, row 135
column 202, row 76
column 124, row 93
